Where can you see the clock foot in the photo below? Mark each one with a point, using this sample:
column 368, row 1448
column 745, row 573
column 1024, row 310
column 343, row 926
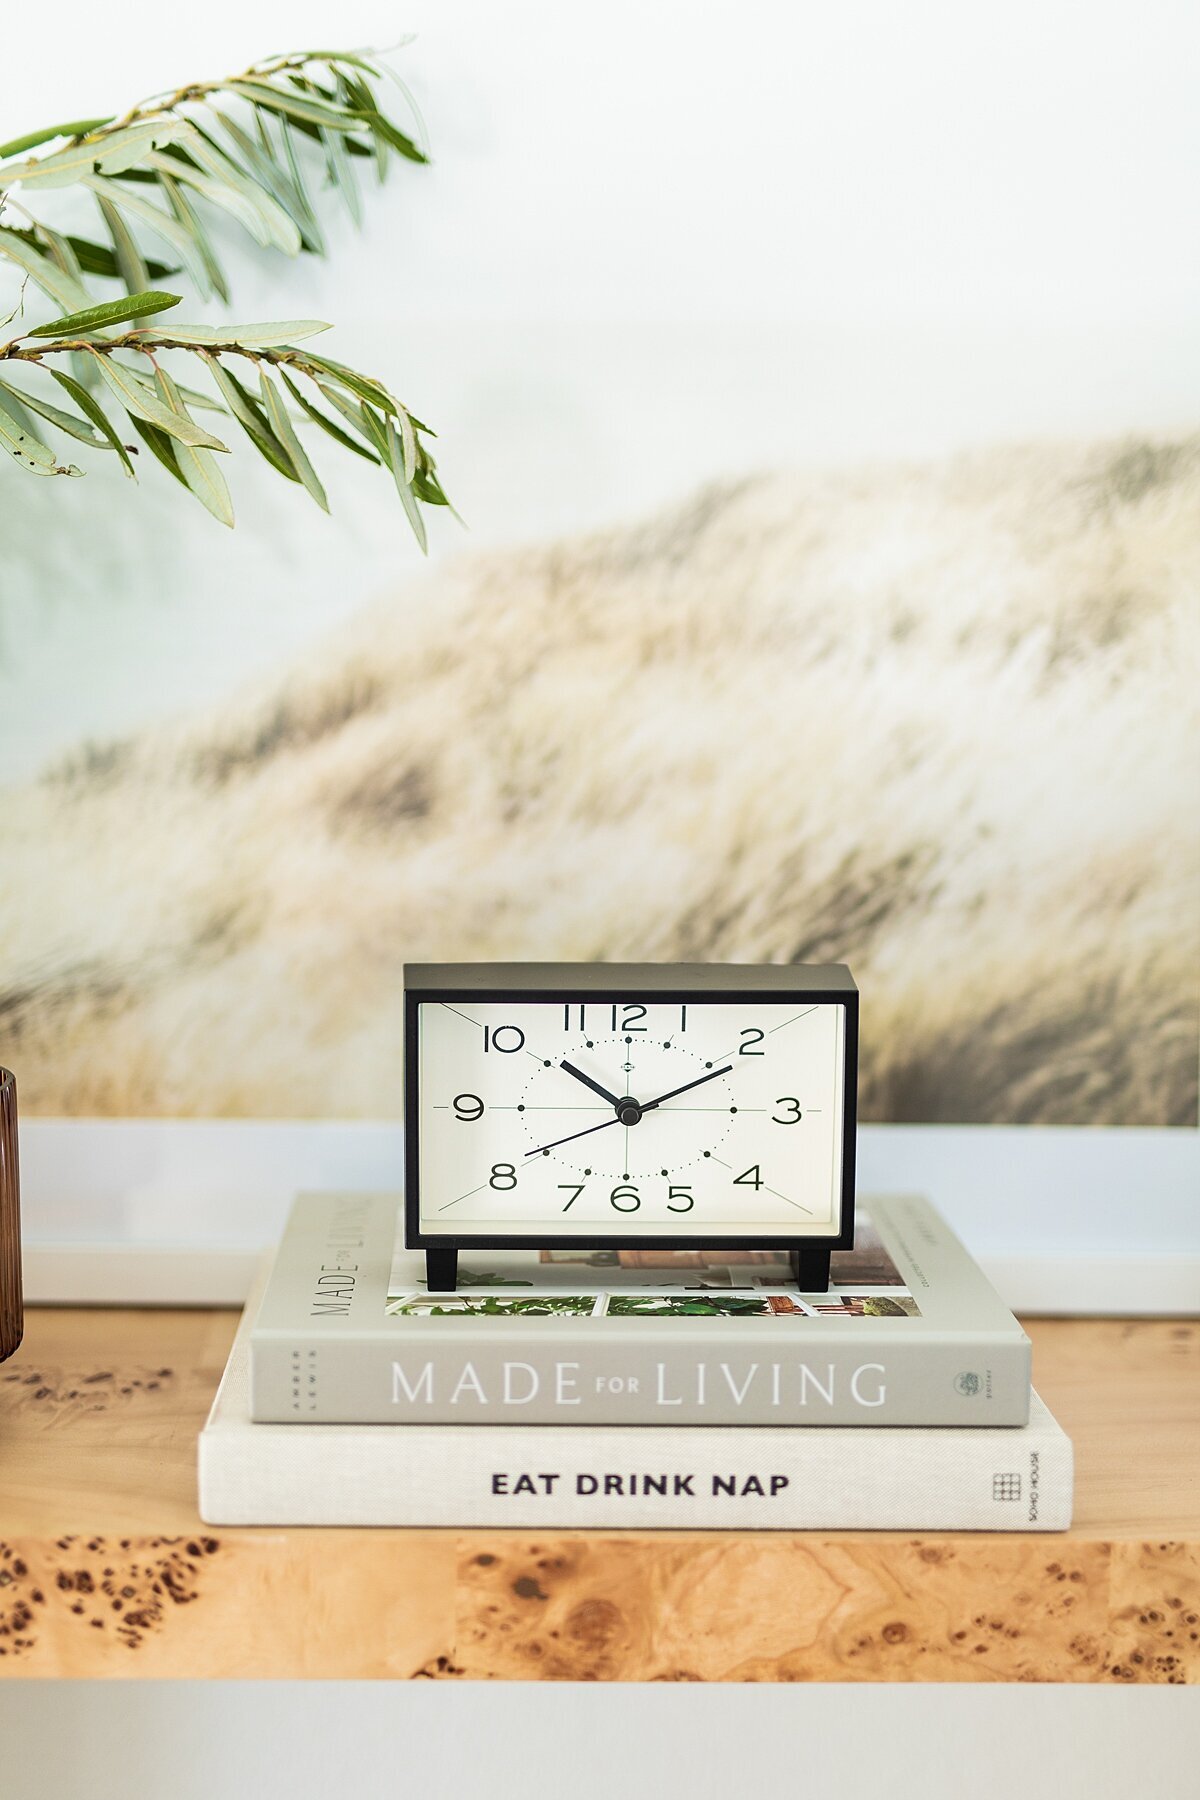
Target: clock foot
column 441, row 1271
column 810, row 1266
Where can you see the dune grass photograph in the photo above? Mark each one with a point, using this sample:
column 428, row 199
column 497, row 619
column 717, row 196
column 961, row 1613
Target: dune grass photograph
column 931, row 719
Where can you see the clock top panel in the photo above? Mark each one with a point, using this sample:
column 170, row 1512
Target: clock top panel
column 637, row 1116
column 618, row 980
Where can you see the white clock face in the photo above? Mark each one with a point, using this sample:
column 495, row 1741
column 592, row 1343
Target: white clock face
column 628, row 1118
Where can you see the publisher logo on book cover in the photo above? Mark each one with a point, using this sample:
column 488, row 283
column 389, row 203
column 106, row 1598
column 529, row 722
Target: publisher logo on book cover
column 969, row 1383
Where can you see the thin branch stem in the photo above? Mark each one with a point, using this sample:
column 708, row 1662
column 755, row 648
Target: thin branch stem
column 200, row 90
column 20, row 350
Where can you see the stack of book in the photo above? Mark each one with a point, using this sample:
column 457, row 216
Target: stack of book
column 645, row 1388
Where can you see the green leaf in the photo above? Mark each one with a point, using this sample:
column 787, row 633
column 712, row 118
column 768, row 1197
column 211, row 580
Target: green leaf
column 230, row 186
column 63, row 289
column 295, row 106
column 168, row 227
column 198, row 467
column 391, row 134
column 20, row 417
column 210, row 276
column 107, row 154
column 269, row 175
column 421, row 137
column 160, row 444
column 307, row 84
column 300, row 125
column 111, row 312
column 353, row 91
column 140, row 401
column 341, row 174
column 96, row 413
column 407, row 497
column 359, row 100
column 313, row 228
column 409, row 441
column 277, row 334
column 194, row 397
column 272, row 334
column 377, row 432
column 204, row 478
column 277, row 412
column 200, row 335
column 426, row 488
column 313, row 131
column 318, row 417
column 60, row 250
column 357, row 97
column 351, row 413
column 95, row 259
column 80, row 364
column 127, row 255
column 29, row 451
column 252, row 419
column 362, row 385
column 254, row 211
column 74, row 128
column 173, row 400
column 68, row 422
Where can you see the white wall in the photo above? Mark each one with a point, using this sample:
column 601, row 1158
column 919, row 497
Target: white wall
column 1031, row 162
column 659, row 242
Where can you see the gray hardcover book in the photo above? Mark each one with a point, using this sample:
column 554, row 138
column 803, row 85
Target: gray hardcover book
column 910, row 1333
column 647, row 1476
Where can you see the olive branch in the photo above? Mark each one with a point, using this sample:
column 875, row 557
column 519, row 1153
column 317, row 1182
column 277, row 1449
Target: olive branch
column 157, row 170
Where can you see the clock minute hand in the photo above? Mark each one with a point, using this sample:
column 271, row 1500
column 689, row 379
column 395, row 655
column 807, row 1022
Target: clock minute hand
column 613, row 1099
column 648, row 1105
column 642, row 1106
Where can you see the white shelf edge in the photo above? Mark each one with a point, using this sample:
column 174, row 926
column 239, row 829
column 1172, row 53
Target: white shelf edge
column 1068, row 1285
column 177, row 1212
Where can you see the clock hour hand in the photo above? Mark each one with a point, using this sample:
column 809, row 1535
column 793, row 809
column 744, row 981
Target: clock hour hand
column 623, row 1105
column 648, row 1105
column 574, row 1134
column 613, row 1099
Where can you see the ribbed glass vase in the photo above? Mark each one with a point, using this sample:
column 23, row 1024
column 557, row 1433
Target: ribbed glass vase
column 10, row 1220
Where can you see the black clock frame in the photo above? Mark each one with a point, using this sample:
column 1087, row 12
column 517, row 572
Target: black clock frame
column 729, row 984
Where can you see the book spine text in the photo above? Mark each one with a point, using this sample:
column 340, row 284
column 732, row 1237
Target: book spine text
column 686, row 1379
column 783, row 1480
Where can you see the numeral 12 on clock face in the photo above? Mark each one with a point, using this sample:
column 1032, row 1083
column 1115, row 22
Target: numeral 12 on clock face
column 597, row 1117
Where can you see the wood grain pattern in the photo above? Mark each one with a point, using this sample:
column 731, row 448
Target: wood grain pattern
column 816, row 1608
column 105, row 1569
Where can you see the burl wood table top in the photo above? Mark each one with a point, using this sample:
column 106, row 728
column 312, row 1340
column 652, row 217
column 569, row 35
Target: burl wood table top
column 106, row 1570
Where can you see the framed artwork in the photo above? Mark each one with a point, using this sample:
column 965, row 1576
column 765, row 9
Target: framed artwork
column 826, row 598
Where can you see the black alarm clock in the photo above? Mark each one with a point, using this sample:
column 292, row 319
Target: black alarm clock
column 597, row 1105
